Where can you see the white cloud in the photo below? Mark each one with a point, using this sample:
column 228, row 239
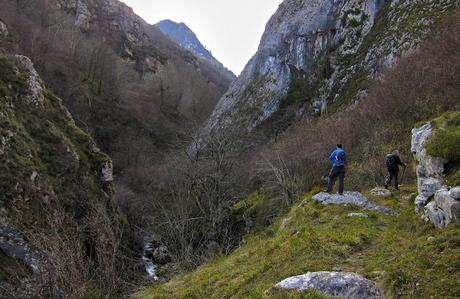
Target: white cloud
column 231, row 30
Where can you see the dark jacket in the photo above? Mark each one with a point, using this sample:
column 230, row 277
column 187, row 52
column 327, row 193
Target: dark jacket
column 393, row 163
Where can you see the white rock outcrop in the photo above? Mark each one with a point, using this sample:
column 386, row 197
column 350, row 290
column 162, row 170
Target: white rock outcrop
column 338, row 284
column 13, row 244
column 429, row 169
column 445, row 207
column 3, row 30
column 435, row 202
column 107, row 172
column 35, row 94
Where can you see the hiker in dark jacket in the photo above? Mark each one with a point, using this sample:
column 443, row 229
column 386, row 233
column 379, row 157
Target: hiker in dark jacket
column 393, row 163
column 339, row 161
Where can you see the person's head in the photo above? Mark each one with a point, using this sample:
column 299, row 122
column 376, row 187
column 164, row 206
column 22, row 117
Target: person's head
column 339, row 145
column 396, row 152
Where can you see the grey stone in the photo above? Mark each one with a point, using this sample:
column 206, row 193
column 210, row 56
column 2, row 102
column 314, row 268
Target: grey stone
column 352, row 198
column 434, row 215
column 455, row 193
column 428, row 166
column 83, row 15
column 107, row 171
column 443, row 210
column 448, row 204
column 341, row 284
column 445, row 206
column 161, row 255
column 420, row 202
column 429, row 186
column 157, row 253
column 13, row 244
column 3, row 30
column 381, row 192
column 35, row 95
column 33, row 176
column 362, row 215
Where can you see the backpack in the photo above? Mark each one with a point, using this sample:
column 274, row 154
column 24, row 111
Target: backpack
column 391, row 162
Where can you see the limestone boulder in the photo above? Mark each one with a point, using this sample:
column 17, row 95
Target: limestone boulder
column 358, row 215
column 338, row 284
column 351, row 198
column 455, row 193
column 444, row 209
column 381, row 192
column 429, row 186
column 428, row 166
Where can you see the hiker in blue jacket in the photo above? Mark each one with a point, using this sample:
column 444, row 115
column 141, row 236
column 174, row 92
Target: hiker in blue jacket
column 339, row 161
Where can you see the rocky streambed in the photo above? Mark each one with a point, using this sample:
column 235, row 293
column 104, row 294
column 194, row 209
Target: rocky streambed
column 154, row 255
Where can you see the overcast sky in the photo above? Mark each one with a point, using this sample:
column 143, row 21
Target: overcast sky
column 230, row 29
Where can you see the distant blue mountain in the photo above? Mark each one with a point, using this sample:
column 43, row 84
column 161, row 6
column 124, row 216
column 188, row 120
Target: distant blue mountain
column 181, row 34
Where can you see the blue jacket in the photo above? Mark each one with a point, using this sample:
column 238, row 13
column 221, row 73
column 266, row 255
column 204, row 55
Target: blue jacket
column 338, row 157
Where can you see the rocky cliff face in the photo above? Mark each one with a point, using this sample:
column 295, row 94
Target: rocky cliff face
column 135, row 39
column 185, row 83
column 53, row 181
column 187, row 39
column 334, row 46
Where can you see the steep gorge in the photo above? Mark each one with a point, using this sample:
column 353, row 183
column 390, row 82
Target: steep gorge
column 243, row 207
column 362, row 73
column 134, row 90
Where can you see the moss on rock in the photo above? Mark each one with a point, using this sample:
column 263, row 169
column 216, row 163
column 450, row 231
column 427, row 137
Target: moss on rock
column 445, row 139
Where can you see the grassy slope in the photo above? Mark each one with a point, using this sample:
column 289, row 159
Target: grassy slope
column 393, row 251
column 445, row 142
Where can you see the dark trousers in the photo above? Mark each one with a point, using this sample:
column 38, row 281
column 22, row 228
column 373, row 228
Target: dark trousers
column 338, row 171
column 392, row 175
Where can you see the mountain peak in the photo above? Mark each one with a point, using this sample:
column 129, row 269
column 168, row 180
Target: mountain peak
column 181, row 34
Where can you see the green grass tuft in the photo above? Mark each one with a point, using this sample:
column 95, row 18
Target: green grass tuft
column 445, row 139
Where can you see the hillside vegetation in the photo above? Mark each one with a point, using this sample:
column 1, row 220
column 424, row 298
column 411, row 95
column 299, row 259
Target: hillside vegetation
column 394, row 251
column 135, row 91
column 231, row 214
column 56, row 191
